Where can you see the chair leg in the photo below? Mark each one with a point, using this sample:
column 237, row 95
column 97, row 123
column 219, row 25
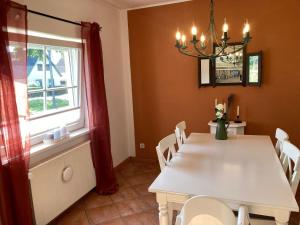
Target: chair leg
column 170, row 212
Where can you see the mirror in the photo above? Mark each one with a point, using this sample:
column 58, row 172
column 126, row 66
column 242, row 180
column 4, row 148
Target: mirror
column 230, row 69
column 254, row 68
column 204, row 72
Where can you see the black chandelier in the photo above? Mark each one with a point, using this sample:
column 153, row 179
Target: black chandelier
column 199, row 48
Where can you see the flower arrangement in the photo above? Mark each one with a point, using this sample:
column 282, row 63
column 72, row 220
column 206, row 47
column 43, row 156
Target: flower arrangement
column 220, row 111
column 221, row 130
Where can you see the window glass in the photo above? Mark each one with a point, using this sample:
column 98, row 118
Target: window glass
column 54, row 91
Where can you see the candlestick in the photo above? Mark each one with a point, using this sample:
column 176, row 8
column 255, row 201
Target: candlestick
column 225, row 107
column 216, row 102
column 238, row 111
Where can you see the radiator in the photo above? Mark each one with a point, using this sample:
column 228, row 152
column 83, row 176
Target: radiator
column 59, row 182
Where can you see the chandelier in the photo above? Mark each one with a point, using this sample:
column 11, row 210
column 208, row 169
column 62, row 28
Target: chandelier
column 218, row 47
column 232, row 58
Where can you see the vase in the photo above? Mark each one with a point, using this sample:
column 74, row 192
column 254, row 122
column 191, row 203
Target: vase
column 221, row 131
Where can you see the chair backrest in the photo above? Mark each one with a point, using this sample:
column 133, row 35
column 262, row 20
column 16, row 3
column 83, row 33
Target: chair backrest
column 292, row 154
column 180, row 133
column 166, row 144
column 202, row 210
column 281, row 136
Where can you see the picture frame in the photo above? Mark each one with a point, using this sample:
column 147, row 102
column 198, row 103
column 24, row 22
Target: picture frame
column 254, row 69
column 204, row 72
column 227, row 71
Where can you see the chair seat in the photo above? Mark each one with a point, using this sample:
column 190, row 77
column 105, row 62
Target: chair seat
column 205, row 220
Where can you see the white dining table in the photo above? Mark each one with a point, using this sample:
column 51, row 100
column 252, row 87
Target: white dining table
column 243, row 170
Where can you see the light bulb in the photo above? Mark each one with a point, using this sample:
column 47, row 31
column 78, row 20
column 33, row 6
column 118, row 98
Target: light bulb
column 194, row 31
column 225, row 26
column 202, row 38
column 178, row 36
column 246, row 28
column 183, row 38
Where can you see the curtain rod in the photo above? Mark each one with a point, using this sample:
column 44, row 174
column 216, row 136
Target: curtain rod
column 54, row 17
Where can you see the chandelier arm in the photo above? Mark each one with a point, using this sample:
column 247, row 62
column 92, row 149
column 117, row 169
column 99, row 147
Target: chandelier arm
column 186, row 52
column 199, row 52
column 237, row 50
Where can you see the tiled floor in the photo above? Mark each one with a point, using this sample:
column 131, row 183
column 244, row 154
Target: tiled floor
column 131, row 205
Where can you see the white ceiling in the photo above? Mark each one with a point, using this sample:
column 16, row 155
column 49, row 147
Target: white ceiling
column 131, row 4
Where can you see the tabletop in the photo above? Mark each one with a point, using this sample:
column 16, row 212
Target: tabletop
column 243, row 169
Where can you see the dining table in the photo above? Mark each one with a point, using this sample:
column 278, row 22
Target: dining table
column 243, row 170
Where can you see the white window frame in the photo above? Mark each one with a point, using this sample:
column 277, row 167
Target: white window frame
column 76, row 125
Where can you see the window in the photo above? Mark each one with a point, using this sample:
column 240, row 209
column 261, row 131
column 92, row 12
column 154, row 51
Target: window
column 54, row 89
column 40, row 67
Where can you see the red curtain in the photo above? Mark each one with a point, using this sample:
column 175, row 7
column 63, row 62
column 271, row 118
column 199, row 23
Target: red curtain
column 97, row 108
column 15, row 202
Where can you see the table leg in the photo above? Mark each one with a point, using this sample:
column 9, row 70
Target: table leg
column 163, row 209
column 282, row 217
column 163, row 214
column 281, row 223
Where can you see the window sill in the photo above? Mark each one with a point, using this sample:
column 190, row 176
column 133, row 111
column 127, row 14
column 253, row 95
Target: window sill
column 42, row 152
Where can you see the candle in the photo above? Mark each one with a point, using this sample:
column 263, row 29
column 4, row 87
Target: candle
column 194, row 31
column 216, row 102
column 246, row 30
column 225, row 107
column 183, row 39
column 178, row 36
column 238, row 111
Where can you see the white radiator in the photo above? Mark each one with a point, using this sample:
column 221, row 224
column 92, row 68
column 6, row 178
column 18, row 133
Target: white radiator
column 59, row 182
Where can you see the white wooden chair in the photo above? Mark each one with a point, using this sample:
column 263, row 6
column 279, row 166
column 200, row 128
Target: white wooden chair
column 290, row 154
column 166, row 144
column 202, row 210
column 180, row 133
column 281, row 136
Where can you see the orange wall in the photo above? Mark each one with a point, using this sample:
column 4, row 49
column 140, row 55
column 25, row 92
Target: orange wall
column 164, row 82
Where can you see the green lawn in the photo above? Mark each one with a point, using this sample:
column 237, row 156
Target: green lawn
column 36, row 105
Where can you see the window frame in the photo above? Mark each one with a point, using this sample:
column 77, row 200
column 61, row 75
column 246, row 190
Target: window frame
column 75, row 125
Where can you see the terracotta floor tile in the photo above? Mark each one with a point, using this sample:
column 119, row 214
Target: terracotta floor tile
column 123, row 183
column 117, row 221
column 141, row 189
column 141, row 179
column 131, row 170
column 144, row 218
column 151, row 200
column 94, row 200
column 103, row 214
column 124, row 194
column 73, row 218
column 132, row 206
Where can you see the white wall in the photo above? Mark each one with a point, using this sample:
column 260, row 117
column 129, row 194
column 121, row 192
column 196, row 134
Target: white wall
column 116, row 59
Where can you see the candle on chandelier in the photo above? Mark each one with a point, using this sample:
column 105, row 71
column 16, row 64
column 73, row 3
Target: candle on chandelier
column 194, row 33
column 225, row 30
column 178, row 38
column 183, row 40
column 246, row 30
column 238, row 111
column 202, row 39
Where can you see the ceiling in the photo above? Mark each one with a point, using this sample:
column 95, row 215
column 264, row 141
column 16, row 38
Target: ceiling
column 131, row 4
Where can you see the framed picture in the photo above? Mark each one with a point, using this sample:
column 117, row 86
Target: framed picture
column 204, row 72
column 230, row 69
column 254, row 68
